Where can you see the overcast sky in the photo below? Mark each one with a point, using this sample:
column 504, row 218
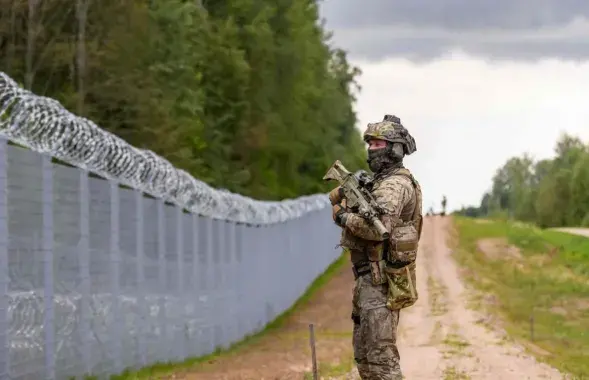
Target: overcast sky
column 474, row 81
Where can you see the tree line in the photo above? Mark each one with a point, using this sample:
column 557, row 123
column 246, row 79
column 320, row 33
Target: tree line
column 548, row 192
column 246, row 95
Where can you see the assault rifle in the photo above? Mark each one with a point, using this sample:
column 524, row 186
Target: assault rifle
column 358, row 198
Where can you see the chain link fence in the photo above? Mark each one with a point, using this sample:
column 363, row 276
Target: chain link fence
column 143, row 265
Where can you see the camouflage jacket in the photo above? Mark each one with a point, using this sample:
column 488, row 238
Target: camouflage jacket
column 398, row 196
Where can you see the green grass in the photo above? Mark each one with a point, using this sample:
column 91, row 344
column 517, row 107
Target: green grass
column 330, row 370
column 550, row 281
column 162, row 369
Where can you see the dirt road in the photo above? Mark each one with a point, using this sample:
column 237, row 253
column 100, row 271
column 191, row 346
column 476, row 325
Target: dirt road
column 439, row 337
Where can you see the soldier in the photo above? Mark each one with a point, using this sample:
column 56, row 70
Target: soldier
column 384, row 271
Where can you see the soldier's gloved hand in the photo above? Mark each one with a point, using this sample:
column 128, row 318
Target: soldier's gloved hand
column 339, row 214
column 336, row 195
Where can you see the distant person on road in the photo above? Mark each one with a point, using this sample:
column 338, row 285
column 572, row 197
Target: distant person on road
column 384, row 270
column 444, row 201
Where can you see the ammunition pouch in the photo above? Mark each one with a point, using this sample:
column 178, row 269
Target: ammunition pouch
column 402, row 289
column 377, row 272
column 400, row 269
column 377, row 262
column 403, row 243
column 360, row 269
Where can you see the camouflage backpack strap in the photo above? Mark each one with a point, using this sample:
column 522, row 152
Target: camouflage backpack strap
column 416, row 217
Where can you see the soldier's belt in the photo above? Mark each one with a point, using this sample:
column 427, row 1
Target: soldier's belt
column 398, row 264
column 363, row 268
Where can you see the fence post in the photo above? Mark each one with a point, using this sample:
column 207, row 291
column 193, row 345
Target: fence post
column 197, row 280
column 240, row 285
column 115, row 261
column 47, row 251
column 139, row 246
column 4, row 276
column 260, row 272
column 288, row 231
column 85, row 270
column 161, row 252
column 217, row 253
column 228, row 299
column 211, row 281
column 181, row 351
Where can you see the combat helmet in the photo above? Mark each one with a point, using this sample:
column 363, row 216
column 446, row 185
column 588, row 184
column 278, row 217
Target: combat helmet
column 391, row 129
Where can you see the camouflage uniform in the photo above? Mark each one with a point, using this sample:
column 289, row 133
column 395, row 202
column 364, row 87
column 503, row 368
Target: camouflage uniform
column 384, row 270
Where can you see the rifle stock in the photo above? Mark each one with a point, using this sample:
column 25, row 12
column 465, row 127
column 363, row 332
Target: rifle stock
column 336, row 172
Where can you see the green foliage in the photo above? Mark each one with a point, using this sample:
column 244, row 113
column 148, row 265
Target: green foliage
column 551, row 192
column 245, row 95
column 549, row 281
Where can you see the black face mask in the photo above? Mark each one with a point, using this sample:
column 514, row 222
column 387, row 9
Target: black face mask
column 378, row 159
column 384, row 158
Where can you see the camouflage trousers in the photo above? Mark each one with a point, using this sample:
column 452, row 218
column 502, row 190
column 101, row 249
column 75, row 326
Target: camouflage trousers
column 375, row 332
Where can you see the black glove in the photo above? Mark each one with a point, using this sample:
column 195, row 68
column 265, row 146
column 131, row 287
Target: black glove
column 339, row 214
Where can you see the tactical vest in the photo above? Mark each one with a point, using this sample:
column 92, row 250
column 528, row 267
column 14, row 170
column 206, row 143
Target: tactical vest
column 400, row 269
column 416, row 220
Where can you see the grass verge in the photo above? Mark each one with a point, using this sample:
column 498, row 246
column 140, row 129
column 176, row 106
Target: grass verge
column 163, row 369
column 540, row 293
column 333, row 371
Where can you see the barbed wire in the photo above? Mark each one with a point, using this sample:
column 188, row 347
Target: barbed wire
column 42, row 124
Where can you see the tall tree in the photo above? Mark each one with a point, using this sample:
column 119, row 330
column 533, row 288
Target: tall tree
column 246, row 95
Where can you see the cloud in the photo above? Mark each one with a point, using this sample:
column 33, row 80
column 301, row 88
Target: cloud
column 469, row 116
column 427, row 29
column 475, row 81
column 454, row 14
